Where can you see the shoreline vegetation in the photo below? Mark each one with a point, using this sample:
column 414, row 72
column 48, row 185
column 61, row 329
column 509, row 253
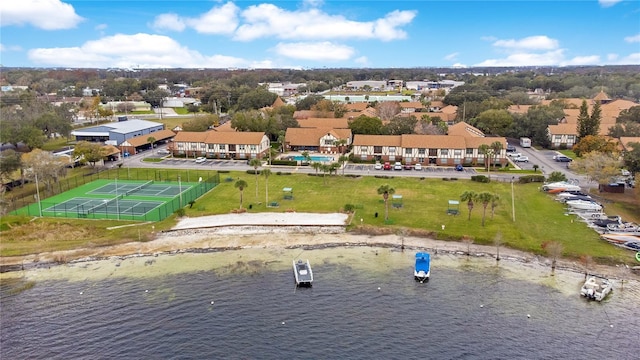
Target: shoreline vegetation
column 422, row 217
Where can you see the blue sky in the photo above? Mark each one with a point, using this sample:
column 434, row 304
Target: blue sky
column 318, row 34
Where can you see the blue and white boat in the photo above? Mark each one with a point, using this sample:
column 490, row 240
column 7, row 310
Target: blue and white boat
column 422, row 271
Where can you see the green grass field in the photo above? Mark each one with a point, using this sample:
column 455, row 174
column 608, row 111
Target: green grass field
column 538, row 218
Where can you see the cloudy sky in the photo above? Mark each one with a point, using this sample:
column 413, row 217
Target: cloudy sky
column 318, row 33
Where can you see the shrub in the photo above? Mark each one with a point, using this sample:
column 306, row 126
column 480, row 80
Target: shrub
column 557, row 176
column 180, row 212
column 349, row 208
column 531, row 178
column 480, row 178
column 284, row 162
column 253, row 172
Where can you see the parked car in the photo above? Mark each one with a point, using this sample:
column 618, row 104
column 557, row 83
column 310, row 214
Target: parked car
column 408, row 166
column 562, row 158
column 377, row 166
column 521, row 159
column 417, row 167
column 387, row 166
column 164, row 152
column 514, row 154
column 200, row 159
column 459, row 167
column 511, row 148
column 397, row 166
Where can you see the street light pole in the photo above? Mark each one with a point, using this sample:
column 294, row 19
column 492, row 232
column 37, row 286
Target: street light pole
column 513, row 200
column 180, row 189
column 117, row 204
column 38, row 195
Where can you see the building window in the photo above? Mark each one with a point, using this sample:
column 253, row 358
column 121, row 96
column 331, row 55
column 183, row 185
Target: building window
column 408, row 151
column 363, row 149
column 392, row 149
column 377, row 149
column 210, row 147
column 421, row 151
column 457, row 153
column 469, row 151
column 222, row 147
column 240, row 147
column 253, row 147
column 444, row 152
column 328, row 142
column 433, row 152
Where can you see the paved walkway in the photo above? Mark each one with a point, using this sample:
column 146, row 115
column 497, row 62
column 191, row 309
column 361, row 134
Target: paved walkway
column 263, row 219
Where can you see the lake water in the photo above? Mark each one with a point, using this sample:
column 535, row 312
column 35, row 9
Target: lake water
column 364, row 305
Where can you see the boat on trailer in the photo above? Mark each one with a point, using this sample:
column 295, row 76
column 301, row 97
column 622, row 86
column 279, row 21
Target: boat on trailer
column 422, row 270
column 302, row 273
column 596, row 288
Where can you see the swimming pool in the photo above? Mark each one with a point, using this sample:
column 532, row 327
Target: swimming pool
column 313, row 158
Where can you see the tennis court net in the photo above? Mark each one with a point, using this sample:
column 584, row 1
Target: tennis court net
column 137, row 188
column 104, row 204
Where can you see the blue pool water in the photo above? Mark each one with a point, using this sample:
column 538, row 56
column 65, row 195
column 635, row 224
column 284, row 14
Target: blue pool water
column 313, row 158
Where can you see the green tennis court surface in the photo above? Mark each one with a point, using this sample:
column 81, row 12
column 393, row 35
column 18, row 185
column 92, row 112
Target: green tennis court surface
column 120, row 199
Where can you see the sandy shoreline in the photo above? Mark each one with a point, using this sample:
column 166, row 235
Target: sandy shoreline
column 285, row 231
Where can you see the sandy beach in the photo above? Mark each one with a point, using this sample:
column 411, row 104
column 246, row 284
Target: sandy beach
column 286, row 231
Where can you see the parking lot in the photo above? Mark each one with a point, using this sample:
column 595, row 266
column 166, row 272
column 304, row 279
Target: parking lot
column 206, row 162
column 425, row 169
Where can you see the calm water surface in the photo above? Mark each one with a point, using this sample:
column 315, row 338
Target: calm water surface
column 161, row 308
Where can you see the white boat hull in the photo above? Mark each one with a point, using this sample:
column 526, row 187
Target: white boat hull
column 596, row 288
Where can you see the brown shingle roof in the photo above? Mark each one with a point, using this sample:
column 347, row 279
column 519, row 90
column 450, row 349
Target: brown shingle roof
column 626, row 141
column 432, row 141
column 277, row 103
column 464, row 129
column 601, row 96
column 411, row 105
column 335, row 123
column 376, row 140
column 311, row 136
column 158, row 135
column 226, row 127
column 237, row 137
column 356, row 106
column 303, row 114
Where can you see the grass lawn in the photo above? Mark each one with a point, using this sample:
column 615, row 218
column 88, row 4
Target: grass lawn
column 538, row 218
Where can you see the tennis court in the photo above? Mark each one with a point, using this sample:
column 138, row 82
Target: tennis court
column 149, row 188
column 117, row 205
column 121, row 200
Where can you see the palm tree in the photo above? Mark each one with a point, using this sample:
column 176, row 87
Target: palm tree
column 468, row 196
column 317, row 166
column 496, row 146
column 306, row 156
column 240, row 185
column 484, row 198
column 256, row 163
column 485, row 150
column 266, row 173
column 386, row 190
column 495, row 201
column 151, row 140
column 343, row 162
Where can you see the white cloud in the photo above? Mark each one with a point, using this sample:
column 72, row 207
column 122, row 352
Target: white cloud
column 608, row 3
column 632, row 39
column 631, row 59
column 43, row 14
column 582, row 60
column 527, row 59
column 452, row 56
column 268, row 20
column 321, row 51
column 612, row 57
column 138, row 50
column 5, row 48
column 362, row 60
column 219, row 20
column 101, row 27
column 168, row 22
column 540, row 42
